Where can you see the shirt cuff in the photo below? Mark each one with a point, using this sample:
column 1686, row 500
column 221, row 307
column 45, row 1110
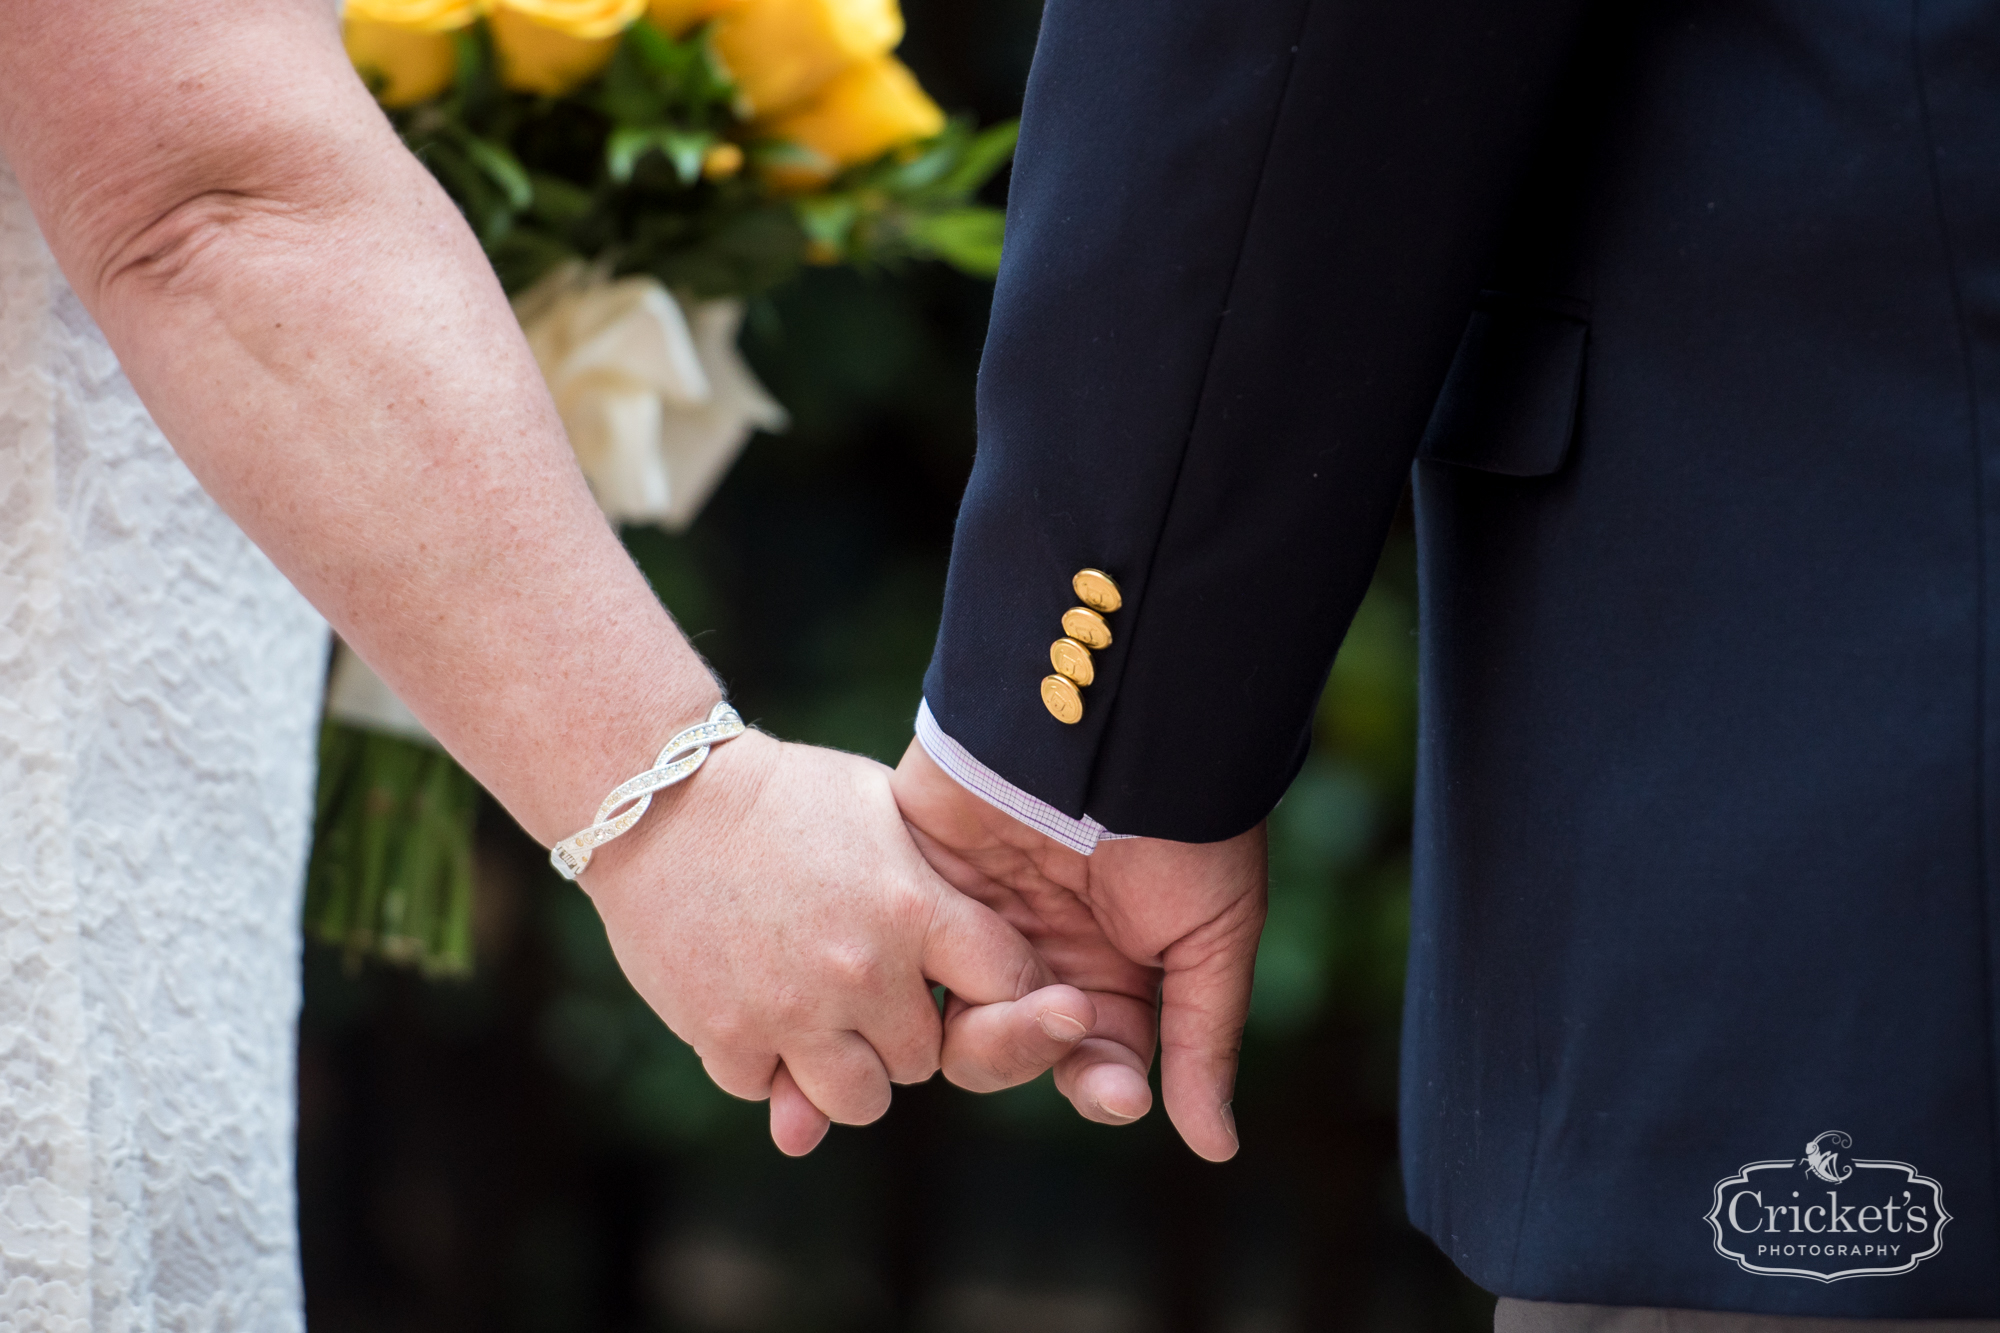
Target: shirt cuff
column 1079, row 835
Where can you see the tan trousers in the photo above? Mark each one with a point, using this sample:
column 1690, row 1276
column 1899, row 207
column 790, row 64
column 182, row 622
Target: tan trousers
column 1512, row 1316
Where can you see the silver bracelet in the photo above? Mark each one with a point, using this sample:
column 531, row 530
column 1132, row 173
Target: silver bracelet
column 683, row 755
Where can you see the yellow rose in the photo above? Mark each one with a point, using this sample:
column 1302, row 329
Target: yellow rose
column 677, row 16
column 585, row 19
column 866, row 110
column 401, row 46
column 551, row 46
column 419, row 15
column 403, row 65
column 780, row 52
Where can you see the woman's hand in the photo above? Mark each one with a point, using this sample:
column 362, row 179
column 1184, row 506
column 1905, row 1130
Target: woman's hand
column 775, row 912
column 312, row 324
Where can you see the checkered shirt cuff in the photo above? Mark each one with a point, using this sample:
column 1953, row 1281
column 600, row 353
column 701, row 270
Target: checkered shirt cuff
column 1080, row 835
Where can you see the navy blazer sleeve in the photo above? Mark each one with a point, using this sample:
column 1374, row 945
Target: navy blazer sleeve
column 1243, row 239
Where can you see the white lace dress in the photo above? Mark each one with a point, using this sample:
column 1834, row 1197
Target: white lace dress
column 159, row 687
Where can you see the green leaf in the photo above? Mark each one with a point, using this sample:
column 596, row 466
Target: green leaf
column 686, row 68
column 685, row 150
column 751, row 251
column 986, row 154
column 628, row 94
column 477, row 85
column 469, row 54
column 556, row 201
column 783, row 153
column 653, row 78
column 930, row 165
column 947, row 169
column 966, row 238
column 658, row 53
column 373, row 79
column 623, row 150
column 828, row 218
column 477, row 197
column 503, row 168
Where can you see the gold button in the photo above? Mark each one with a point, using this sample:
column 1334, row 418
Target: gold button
column 1097, row 591
column 1073, row 660
column 1059, row 693
column 1087, row 627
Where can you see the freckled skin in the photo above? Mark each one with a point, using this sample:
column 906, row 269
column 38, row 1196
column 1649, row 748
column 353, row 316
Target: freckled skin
column 315, row 329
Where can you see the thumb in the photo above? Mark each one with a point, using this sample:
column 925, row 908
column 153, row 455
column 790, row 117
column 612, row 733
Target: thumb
column 992, row 1046
column 1204, row 1003
column 1001, row 1026
column 797, row 1125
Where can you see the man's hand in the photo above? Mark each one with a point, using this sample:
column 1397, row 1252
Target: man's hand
column 776, row 914
column 1144, row 927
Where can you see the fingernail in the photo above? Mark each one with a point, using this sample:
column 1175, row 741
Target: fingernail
column 1119, row 1116
column 1229, row 1122
column 1060, row 1027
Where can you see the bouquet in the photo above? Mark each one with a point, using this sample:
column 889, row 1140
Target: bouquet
column 637, row 171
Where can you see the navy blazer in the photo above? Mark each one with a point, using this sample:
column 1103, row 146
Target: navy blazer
column 1691, row 315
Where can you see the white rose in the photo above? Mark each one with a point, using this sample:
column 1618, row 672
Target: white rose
column 657, row 405
column 657, row 401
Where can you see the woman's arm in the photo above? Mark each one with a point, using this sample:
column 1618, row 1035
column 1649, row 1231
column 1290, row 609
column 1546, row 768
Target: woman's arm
column 317, row 332
column 315, row 329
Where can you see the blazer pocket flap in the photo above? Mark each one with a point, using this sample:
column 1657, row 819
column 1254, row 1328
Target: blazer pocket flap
column 1509, row 404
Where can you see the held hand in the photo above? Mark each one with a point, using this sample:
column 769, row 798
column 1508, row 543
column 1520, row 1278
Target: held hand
column 1141, row 922
column 775, row 913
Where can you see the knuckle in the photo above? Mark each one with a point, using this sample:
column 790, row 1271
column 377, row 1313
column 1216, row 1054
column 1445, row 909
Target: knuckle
column 915, row 905
column 875, row 1106
column 1019, row 1066
column 915, row 1065
column 986, row 1070
column 854, row 967
column 791, row 1007
column 910, row 1045
column 972, row 1076
column 862, row 1103
column 1029, row 1056
column 735, row 1079
column 727, row 1032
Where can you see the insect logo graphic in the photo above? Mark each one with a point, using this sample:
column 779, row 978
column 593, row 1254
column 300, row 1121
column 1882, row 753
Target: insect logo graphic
column 1786, row 1217
column 1824, row 1161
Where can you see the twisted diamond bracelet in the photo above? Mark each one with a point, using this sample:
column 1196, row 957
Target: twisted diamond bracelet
column 685, row 753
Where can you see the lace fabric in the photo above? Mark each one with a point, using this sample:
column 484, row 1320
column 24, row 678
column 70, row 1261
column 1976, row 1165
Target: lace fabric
column 159, row 692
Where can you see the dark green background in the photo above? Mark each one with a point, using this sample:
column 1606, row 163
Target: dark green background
column 532, row 1150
